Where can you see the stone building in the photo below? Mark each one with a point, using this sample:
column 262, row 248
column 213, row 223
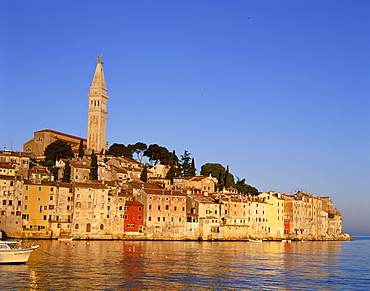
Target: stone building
column 165, row 213
column 36, row 146
column 11, row 205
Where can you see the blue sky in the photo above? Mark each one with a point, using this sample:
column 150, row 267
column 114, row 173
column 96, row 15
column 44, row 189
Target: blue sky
column 277, row 90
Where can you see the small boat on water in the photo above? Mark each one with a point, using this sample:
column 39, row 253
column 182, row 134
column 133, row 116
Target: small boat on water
column 12, row 253
column 255, row 240
column 65, row 238
column 286, row 240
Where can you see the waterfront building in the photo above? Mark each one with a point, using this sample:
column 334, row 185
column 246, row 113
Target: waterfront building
column 165, row 213
column 243, row 216
column 203, row 218
column 60, row 208
column 35, row 212
column 90, row 210
column 275, row 213
column 133, row 216
column 11, row 205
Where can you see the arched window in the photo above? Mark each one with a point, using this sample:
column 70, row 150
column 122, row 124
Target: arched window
column 88, row 227
column 77, row 226
column 102, row 227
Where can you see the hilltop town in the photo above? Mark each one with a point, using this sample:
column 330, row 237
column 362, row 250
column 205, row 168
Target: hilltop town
column 93, row 192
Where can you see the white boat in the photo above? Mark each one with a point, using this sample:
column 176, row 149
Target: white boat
column 12, row 253
column 255, row 240
column 65, row 238
column 286, row 240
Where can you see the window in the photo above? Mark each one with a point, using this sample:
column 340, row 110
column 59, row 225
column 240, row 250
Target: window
column 77, row 226
column 139, row 217
column 78, row 205
column 25, row 197
column 44, row 217
column 78, row 195
column 25, row 207
column 4, row 202
column 39, row 188
column 102, row 227
column 159, row 207
column 27, row 187
column 38, row 198
column 126, row 208
column 167, row 207
column 45, row 207
column 159, row 219
column 149, row 218
column 139, row 209
column 89, row 205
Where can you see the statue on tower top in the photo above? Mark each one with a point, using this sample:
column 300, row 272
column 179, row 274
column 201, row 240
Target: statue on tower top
column 100, row 56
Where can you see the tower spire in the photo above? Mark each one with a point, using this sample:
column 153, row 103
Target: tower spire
column 97, row 113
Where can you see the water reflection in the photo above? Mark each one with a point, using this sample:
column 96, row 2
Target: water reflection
column 138, row 265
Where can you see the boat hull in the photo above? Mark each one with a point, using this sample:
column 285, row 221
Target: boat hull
column 16, row 256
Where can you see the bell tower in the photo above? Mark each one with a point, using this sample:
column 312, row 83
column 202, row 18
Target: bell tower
column 97, row 113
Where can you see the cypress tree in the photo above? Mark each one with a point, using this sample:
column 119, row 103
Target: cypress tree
column 94, row 167
column 144, row 175
column 81, row 150
column 67, row 173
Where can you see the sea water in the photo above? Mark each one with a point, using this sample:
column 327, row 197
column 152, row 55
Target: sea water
column 184, row 265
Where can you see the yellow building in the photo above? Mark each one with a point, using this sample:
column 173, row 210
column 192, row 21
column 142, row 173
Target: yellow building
column 275, row 216
column 7, row 169
column 35, row 212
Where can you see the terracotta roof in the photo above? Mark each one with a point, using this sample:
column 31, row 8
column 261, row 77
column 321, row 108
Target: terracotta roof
column 61, row 133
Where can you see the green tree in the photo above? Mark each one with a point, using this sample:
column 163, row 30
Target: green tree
column 158, row 154
column 185, row 165
column 192, row 169
column 229, row 178
column 58, row 150
column 54, row 171
column 67, row 173
column 173, row 172
column 139, row 149
column 94, row 167
column 245, row 188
